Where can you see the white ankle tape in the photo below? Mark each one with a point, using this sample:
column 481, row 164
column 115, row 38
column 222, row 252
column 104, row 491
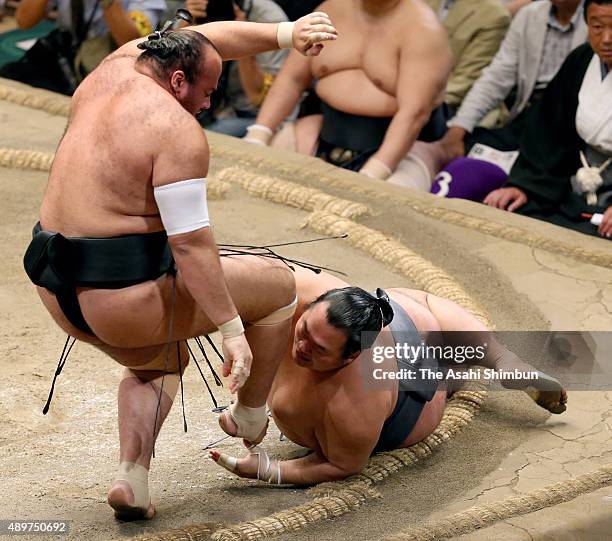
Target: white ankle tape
column 284, row 35
column 137, row 477
column 278, row 316
column 249, row 421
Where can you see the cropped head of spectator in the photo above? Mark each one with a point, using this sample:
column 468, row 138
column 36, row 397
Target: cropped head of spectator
column 245, row 82
column 563, row 173
column 380, row 86
column 475, row 29
column 88, row 30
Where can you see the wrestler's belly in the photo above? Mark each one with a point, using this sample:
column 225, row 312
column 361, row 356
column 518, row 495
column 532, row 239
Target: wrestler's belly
column 351, row 91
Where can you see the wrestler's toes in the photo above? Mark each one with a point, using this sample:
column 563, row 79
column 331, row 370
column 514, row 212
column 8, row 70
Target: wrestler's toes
column 553, row 401
column 119, row 497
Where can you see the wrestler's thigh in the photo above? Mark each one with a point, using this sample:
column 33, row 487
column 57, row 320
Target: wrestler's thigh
column 165, row 358
column 140, row 316
column 52, row 306
column 428, row 420
column 257, row 285
column 414, row 303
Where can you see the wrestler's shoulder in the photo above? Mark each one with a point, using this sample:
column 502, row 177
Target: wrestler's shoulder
column 160, row 113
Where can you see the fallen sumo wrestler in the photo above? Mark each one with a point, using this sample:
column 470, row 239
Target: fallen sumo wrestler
column 323, row 400
column 124, row 257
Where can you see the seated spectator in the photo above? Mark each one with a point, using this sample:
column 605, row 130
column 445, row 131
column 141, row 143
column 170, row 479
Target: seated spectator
column 381, row 85
column 563, row 171
column 540, row 38
column 246, row 81
column 530, row 55
column 476, row 29
column 88, row 30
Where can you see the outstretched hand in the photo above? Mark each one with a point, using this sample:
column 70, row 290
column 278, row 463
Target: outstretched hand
column 311, row 31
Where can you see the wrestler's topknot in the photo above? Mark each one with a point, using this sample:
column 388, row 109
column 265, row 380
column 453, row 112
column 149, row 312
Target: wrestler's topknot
column 174, row 50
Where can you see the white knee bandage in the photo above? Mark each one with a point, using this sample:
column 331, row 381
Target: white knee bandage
column 182, row 205
column 137, row 477
column 278, row 316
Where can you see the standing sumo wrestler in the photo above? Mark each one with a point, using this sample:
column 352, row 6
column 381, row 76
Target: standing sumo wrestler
column 124, row 254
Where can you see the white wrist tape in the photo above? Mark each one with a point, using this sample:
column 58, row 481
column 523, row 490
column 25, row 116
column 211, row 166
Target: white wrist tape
column 182, row 206
column 137, row 477
column 258, row 135
column 284, row 35
column 232, row 328
column 376, row 169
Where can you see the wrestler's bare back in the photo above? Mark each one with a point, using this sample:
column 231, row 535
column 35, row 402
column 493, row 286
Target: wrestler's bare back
column 305, row 403
column 125, row 132
column 350, row 73
column 100, row 183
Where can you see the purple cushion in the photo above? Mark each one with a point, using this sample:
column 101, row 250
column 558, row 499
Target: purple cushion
column 467, row 178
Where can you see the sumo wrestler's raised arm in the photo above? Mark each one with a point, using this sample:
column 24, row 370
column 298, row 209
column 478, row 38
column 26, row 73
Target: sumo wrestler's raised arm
column 425, row 63
column 236, row 39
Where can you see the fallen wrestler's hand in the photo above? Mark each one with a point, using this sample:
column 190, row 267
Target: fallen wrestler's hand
column 307, row 34
column 236, row 353
column 255, row 465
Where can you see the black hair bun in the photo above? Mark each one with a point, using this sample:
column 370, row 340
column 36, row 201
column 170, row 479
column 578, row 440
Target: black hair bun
column 384, row 303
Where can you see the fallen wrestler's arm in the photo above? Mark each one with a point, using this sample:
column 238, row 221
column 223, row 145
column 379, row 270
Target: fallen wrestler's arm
column 424, row 66
column 235, row 39
column 346, row 449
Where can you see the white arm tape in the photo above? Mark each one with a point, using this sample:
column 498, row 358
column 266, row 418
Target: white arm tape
column 284, row 35
column 182, row 205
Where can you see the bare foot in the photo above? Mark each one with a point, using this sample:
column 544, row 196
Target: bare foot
column 553, row 401
column 547, row 392
column 121, row 498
